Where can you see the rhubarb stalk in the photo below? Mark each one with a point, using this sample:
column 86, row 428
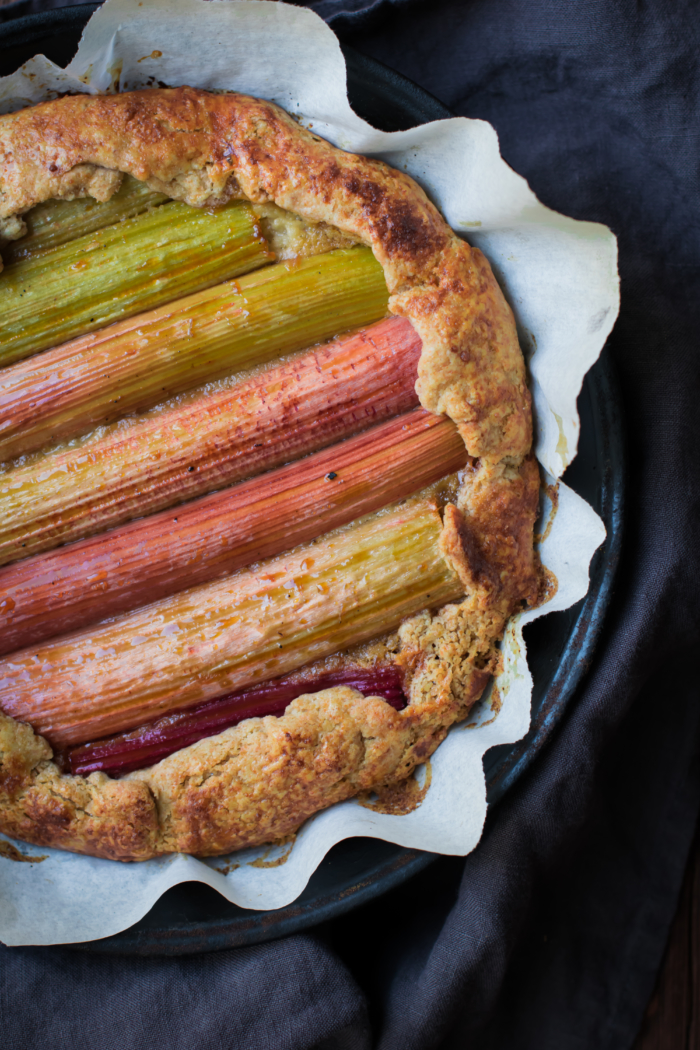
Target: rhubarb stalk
column 220, row 438
column 156, row 556
column 137, row 363
column 121, row 754
column 133, row 266
column 56, row 222
column 346, row 587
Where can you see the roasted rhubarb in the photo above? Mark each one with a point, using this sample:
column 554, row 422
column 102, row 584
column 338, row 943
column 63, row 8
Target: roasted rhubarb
column 346, row 587
column 124, row 269
column 136, row 363
column 218, row 439
column 150, row 743
column 156, row 556
column 55, row 222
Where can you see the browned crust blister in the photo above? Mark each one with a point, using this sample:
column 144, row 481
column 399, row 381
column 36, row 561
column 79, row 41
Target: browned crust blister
column 260, row 780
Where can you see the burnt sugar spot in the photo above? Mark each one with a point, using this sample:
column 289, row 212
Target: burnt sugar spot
column 401, row 225
column 480, row 567
column 400, row 798
column 404, row 231
column 462, row 353
column 10, row 852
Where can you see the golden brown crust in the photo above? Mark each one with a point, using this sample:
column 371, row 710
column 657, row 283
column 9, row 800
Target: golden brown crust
column 206, row 149
column 260, row 780
column 103, row 817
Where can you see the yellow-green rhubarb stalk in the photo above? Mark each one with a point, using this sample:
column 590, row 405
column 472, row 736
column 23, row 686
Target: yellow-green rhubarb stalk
column 56, row 222
column 121, row 270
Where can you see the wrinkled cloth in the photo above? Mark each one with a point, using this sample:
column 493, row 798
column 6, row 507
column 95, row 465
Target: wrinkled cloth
column 549, row 936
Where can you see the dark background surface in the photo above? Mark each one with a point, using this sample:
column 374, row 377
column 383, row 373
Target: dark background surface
column 550, row 934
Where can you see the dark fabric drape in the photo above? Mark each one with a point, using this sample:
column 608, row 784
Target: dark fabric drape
column 549, row 936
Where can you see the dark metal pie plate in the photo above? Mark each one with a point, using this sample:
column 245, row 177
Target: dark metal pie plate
column 194, row 918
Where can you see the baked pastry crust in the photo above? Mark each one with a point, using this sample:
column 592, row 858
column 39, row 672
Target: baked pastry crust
column 260, row 780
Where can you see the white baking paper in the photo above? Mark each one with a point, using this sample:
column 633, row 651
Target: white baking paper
column 560, row 277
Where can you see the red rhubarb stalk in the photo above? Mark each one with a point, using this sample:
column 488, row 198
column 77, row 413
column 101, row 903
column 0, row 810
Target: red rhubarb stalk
column 125, row 752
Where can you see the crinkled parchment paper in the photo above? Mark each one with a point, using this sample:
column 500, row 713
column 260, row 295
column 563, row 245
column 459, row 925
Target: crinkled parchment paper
column 561, row 279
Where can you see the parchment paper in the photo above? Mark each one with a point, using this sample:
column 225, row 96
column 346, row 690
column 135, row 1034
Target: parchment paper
column 560, row 277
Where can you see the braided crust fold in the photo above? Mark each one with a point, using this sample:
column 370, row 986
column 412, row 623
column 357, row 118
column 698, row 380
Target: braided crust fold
column 260, row 780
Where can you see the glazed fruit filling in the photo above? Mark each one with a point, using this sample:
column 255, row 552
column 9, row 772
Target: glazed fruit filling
column 195, row 505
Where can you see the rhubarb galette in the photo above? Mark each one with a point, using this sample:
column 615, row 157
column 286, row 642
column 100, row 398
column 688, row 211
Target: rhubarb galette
column 248, row 578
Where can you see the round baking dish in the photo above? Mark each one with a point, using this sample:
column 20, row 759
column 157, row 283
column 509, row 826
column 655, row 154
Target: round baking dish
column 192, row 917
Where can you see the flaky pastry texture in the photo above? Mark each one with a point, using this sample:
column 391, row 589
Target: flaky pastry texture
column 257, row 782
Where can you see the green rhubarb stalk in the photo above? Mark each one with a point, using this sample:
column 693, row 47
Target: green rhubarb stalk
column 56, row 222
column 137, row 363
column 346, row 587
column 121, row 270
